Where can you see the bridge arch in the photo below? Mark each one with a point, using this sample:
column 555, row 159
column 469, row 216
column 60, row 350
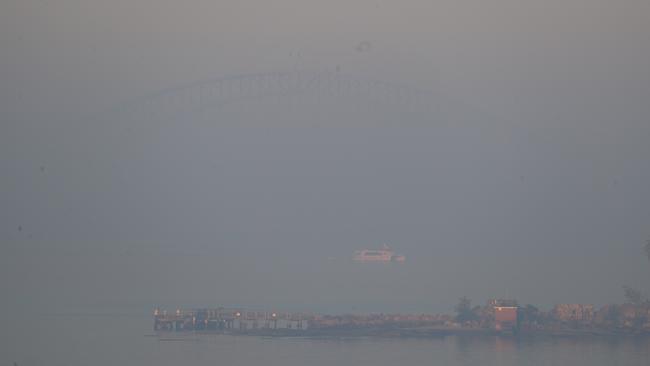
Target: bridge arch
column 316, row 84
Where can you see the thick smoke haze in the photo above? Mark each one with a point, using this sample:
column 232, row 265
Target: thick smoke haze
column 528, row 176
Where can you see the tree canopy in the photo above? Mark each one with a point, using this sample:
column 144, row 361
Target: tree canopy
column 633, row 296
column 464, row 310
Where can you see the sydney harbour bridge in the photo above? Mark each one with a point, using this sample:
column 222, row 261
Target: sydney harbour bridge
column 311, row 85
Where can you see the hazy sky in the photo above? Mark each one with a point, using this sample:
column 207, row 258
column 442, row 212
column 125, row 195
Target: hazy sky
column 534, row 184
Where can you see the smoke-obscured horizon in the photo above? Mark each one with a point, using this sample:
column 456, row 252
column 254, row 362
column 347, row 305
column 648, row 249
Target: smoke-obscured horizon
column 526, row 176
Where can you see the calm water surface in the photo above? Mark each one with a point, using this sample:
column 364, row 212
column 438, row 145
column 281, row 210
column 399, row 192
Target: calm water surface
column 126, row 339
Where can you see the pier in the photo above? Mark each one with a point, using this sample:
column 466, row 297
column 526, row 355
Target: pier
column 245, row 321
column 229, row 319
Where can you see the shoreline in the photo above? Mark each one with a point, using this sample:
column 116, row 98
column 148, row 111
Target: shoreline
column 423, row 333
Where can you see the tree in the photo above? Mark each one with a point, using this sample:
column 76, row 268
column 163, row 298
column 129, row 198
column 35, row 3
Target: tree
column 633, row 296
column 464, row 311
column 530, row 314
column 613, row 315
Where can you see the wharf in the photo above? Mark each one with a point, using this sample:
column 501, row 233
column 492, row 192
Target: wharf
column 230, row 320
column 276, row 323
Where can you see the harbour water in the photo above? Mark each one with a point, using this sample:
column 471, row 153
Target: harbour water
column 126, row 338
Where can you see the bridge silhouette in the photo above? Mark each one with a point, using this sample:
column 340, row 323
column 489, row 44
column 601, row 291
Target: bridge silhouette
column 246, row 87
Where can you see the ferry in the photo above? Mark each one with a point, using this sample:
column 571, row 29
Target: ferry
column 383, row 255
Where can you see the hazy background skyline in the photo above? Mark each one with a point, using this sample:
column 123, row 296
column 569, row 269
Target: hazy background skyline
column 535, row 185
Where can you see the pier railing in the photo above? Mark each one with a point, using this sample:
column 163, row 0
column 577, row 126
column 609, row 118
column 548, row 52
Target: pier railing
column 229, row 319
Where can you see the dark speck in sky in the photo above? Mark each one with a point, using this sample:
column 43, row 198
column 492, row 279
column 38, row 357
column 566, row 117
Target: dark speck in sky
column 364, row 46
